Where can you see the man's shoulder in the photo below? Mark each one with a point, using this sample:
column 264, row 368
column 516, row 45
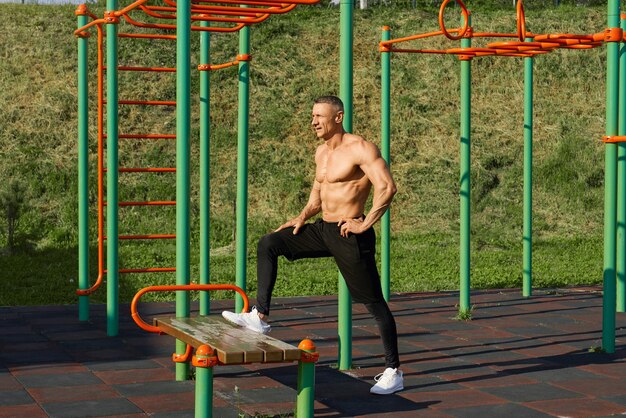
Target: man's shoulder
column 358, row 143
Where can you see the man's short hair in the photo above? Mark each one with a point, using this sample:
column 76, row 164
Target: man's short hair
column 331, row 100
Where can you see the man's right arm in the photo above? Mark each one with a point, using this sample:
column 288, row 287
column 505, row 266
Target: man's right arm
column 312, row 208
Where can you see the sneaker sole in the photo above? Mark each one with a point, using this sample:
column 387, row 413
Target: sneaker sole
column 390, row 392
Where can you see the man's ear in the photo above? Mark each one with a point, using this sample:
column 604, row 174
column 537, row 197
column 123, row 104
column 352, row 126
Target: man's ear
column 339, row 116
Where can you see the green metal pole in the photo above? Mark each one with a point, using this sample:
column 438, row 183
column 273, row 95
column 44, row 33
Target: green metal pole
column 112, row 177
column 306, row 383
column 183, row 127
column 241, row 236
column 621, row 180
column 528, row 177
column 83, row 173
column 385, row 141
column 464, row 245
column 205, row 171
column 610, row 186
column 204, row 386
column 345, row 93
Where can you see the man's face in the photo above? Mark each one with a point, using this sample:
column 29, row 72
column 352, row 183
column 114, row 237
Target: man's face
column 326, row 120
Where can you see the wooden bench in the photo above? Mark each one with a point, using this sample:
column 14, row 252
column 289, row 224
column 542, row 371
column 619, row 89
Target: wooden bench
column 219, row 342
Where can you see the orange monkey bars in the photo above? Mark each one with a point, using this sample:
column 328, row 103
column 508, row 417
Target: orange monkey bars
column 540, row 44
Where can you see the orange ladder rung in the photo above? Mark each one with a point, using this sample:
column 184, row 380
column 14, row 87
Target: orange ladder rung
column 145, row 170
column 148, row 270
column 144, row 136
column 145, row 102
column 153, row 203
column 149, row 236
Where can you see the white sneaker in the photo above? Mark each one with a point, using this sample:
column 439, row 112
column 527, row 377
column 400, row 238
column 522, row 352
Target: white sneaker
column 249, row 320
column 388, row 382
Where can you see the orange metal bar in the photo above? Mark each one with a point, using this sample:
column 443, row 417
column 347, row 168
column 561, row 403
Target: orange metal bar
column 173, row 27
column 149, row 236
column 155, row 69
column 146, row 136
column 147, row 170
column 145, row 35
column 171, row 288
column 130, row 7
column 253, row 18
column 248, row 2
column 147, row 102
column 153, row 203
column 521, row 20
column 149, row 270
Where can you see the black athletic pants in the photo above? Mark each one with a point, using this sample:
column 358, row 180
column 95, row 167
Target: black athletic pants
column 355, row 257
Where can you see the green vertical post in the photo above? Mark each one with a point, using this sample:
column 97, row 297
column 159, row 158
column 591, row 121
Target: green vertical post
column 112, row 176
column 241, row 232
column 610, row 185
column 385, row 143
column 83, row 171
column 203, row 405
column 464, row 190
column 306, row 382
column 183, row 126
column 528, row 177
column 205, row 170
column 345, row 93
column 621, row 180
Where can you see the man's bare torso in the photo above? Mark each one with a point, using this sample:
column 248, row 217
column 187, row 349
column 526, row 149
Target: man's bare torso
column 344, row 187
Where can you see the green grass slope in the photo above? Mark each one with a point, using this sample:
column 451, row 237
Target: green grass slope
column 295, row 59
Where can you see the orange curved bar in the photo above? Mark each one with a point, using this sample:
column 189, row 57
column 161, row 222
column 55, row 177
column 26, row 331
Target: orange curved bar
column 524, row 46
column 230, row 10
column 182, row 358
column 521, row 20
column 171, row 288
column 465, row 18
column 128, row 8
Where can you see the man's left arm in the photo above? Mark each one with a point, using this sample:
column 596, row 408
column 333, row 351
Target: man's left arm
column 376, row 170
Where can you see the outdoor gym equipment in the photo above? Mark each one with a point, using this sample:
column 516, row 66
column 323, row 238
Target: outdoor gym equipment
column 527, row 45
column 224, row 16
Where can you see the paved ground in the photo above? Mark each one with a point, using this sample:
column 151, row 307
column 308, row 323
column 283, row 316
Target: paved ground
column 518, row 357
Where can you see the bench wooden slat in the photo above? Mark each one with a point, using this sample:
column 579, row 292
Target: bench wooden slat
column 233, row 344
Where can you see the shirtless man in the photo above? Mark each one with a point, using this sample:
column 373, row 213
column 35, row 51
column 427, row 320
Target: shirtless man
column 347, row 166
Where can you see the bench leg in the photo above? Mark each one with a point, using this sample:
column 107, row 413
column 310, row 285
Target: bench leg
column 306, row 380
column 204, row 360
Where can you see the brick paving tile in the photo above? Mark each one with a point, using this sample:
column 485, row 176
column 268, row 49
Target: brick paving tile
column 60, row 379
column 90, row 408
column 53, row 368
column 165, row 402
column 454, row 399
column 117, row 377
column 603, row 386
column 15, row 411
column 73, row 393
column 578, row 408
column 532, row 392
column 15, row 397
column 495, row 411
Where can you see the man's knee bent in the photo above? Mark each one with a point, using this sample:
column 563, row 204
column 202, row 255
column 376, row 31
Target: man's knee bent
column 271, row 244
